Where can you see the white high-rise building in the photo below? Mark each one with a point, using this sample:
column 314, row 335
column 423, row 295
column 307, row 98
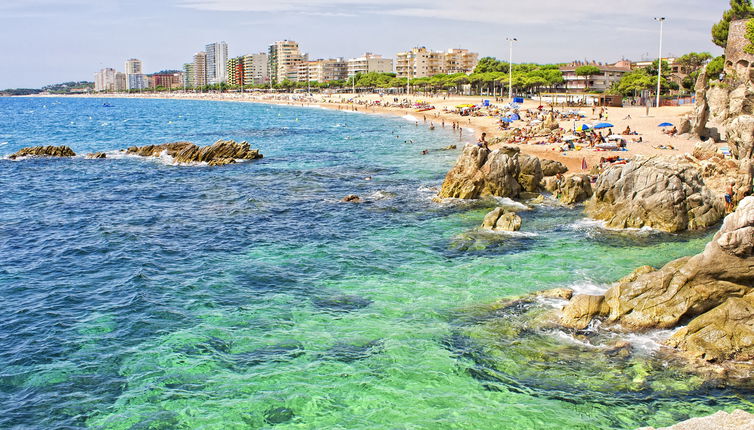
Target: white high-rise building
column 217, row 59
column 133, row 67
column 285, row 59
column 104, row 80
column 135, row 77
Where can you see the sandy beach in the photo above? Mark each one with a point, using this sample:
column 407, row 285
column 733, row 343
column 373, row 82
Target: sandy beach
column 634, row 117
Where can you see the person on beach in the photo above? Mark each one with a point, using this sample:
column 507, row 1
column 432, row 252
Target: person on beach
column 482, row 142
column 729, row 197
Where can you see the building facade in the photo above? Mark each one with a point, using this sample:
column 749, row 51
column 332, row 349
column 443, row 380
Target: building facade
column 421, row 62
column 369, row 63
column 166, row 80
column 188, row 75
column 285, row 59
column 256, row 69
column 104, row 80
column 217, row 59
column 333, row 69
column 235, row 72
column 200, row 69
column 609, row 75
column 134, row 67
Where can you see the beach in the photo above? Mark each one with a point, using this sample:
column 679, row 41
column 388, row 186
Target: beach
column 634, row 117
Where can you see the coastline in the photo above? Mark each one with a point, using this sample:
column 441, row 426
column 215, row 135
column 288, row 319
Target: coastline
column 472, row 127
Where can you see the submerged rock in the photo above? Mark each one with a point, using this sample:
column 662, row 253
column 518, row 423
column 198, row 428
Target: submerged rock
column 666, row 194
column 501, row 219
column 713, row 290
column 278, row 415
column 736, row 420
column 44, row 151
column 481, row 173
column 351, row 198
column 220, row 153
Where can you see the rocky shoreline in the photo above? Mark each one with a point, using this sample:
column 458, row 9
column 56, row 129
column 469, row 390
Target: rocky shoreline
column 221, row 153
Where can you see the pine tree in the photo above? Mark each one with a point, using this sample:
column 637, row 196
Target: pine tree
column 739, row 9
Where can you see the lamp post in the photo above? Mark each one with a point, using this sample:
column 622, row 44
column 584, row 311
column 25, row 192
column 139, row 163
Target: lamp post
column 510, row 67
column 661, row 20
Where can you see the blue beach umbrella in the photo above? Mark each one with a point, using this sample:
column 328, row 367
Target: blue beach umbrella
column 506, row 120
column 603, row 125
column 585, row 127
column 665, row 124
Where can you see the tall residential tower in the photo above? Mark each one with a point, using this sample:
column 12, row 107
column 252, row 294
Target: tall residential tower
column 217, row 59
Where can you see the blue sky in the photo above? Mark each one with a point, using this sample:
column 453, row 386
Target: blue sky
column 50, row 41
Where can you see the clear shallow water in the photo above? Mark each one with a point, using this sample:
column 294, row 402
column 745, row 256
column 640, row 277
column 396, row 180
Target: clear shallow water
column 139, row 295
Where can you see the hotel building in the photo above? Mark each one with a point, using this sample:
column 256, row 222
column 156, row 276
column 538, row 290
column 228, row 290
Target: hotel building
column 284, row 61
column 421, row 62
column 369, row 63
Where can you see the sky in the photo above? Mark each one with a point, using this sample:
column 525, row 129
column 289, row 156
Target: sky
column 50, row 41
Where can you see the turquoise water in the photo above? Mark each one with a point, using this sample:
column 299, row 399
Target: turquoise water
column 135, row 294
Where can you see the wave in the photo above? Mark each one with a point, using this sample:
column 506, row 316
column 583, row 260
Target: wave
column 410, row 118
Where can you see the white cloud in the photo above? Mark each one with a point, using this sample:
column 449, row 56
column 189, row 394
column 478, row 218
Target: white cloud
column 502, row 12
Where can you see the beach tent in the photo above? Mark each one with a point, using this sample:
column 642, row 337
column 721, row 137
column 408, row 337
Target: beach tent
column 665, row 124
column 515, row 117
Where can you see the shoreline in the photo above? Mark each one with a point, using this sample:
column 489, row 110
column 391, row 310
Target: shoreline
column 473, row 125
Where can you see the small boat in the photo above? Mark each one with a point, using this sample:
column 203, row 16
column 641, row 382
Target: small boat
column 106, row 105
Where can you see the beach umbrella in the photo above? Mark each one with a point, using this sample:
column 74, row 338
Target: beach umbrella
column 586, row 127
column 603, row 125
column 665, row 124
column 508, row 120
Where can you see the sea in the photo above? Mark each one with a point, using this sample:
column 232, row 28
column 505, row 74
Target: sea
column 139, row 294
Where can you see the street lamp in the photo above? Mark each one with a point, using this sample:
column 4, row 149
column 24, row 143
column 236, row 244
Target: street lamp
column 510, row 67
column 661, row 20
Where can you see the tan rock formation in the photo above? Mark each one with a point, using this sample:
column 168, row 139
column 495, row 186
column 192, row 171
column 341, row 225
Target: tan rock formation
column 666, row 194
column 736, row 420
column 530, row 175
column 713, row 290
column 575, row 189
column 552, row 167
column 220, row 153
column 501, row 219
column 481, row 173
column 44, row 151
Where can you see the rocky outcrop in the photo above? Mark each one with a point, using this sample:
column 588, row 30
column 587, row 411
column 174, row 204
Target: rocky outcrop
column 666, row 194
column 712, row 291
column 351, row 198
column 530, row 175
column 552, row 167
column 44, row 151
column 481, row 173
column 501, row 219
column 736, row 420
column 575, row 189
column 220, row 153
column 96, row 155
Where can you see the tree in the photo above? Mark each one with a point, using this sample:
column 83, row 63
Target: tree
column 739, row 9
column 693, row 61
column 587, row 71
column 634, row 82
column 715, row 67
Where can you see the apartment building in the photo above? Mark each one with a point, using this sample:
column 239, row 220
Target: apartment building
column 285, row 59
column 200, row 69
column 609, row 74
column 420, row 62
column 188, row 75
column 369, row 63
column 333, row 69
column 256, row 69
column 217, row 59
column 235, row 72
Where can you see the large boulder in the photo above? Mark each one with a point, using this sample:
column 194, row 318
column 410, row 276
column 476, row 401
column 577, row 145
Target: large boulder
column 741, row 136
column 220, row 153
column 481, row 173
column 575, row 189
column 713, row 291
column 552, row 167
column 666, row 194
column 501, row 219
column 44, row 151
column 530, row 175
